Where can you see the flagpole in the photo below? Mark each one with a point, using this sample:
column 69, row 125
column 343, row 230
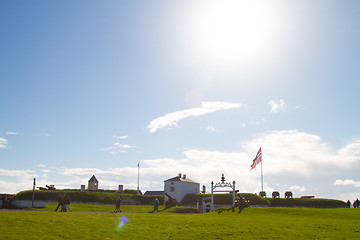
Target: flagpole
column 138, row 191
column 262, row 177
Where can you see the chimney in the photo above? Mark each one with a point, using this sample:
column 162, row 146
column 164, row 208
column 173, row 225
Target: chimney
column 184, row 176
column 179, row 175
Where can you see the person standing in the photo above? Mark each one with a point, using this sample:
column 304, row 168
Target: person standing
column 156, row 205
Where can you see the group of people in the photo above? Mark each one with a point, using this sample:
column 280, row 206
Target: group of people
column 118, row 204
column 356, row 203
column 64, row 202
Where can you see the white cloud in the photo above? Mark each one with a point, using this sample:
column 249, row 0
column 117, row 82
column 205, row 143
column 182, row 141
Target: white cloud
column 17, row 173
column 347, row 182
column 12, row 133
column 14, row 187
column 117, row 148
column 3, row 142
column 351, row 150
column 211, row 128
column 42, row 165
column 120, row 137
column 119, row 145
column 277, row 105
column 172, row 119
column 299, row 153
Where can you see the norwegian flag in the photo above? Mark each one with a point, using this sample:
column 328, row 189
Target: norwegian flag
column 257, row 159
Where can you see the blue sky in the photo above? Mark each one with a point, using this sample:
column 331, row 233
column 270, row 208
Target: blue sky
column 194, row 87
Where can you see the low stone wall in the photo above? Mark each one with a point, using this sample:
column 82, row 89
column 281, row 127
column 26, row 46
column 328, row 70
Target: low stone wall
column 28, row 204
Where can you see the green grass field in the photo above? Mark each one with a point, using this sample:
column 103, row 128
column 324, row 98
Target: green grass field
column 252, row 223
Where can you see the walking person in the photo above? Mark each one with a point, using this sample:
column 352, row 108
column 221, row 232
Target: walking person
column 67, row 202
column 117, row 205
column 60, row 200
column 156, row 205
column 63, row 203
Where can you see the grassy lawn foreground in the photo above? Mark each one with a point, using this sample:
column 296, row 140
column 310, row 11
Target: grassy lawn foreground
column 252, row 223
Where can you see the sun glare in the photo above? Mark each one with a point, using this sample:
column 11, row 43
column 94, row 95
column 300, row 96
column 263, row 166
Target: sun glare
column 233, row 32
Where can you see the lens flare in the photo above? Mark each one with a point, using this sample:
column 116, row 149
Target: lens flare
column 122, row 222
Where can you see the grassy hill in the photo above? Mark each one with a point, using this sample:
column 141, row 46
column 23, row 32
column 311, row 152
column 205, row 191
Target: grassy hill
column 105, row 197
column 307, row 202
column 109, row 197
column 224, row 199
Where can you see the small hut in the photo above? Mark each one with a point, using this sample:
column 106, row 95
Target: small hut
column 93, row 183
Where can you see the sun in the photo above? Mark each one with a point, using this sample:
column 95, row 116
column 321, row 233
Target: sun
column 233, row 32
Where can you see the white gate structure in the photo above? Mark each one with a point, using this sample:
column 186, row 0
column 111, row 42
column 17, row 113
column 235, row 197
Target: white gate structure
column 221, row 184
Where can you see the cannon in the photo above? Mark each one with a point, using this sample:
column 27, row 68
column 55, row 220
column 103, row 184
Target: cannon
column 171, row 201
column 51, row 187
column 275, row 194
column 288, row 195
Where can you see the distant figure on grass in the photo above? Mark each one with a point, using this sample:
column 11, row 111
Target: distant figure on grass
column 5, row 200
column 117, row 205
column 348, row 204
column 67, row 203
column 156, row 205
column 60, row 201
column 241, row 203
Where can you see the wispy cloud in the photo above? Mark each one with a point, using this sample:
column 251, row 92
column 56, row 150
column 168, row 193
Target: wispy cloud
column 277, row 105
column 172, row 119
column 12, row 133
column 3, row 142
column 118, row 147
column 347, row 182
column 120, row 137
column 211, row 128
column 17, row 173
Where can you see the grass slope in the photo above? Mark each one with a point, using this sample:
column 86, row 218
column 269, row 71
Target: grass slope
column 252, row 223
column 106, row 197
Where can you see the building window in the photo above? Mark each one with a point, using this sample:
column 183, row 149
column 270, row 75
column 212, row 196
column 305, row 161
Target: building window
column 172, row 189
column 172, row 183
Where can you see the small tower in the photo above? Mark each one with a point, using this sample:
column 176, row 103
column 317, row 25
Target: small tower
column 93, row 183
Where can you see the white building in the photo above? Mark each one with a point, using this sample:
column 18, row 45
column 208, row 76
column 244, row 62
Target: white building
column 178, row 187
